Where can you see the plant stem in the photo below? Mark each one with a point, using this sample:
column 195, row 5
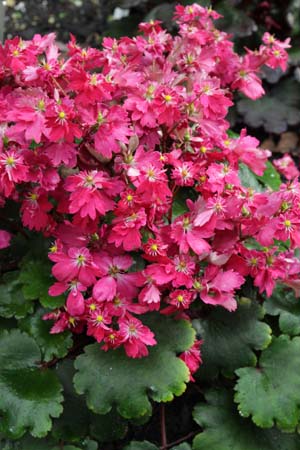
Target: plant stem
column 178, row 441
column 164, row 442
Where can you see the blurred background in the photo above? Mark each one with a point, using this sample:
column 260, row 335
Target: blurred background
column 275, row 119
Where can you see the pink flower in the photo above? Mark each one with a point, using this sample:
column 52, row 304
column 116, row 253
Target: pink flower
column 179, row 271
column 112, row 126
column 64, row 321
column 61, row 152
column 102, row 151
column 92, row 193
column 76, row 264
column 28, row 111
column 135, row 337
column 60, row 122
column 12, row 171
column 192, row 358
column 5, row 238
column 218, row 287
column 247, row 81
column 75, row 300
column 35, row 209
column 179, row 300
column 114, row 277
column 142, row 104
column 126, row 231
column 150, row 296
column 187, row 236
column 286, row 167
column 97, row 323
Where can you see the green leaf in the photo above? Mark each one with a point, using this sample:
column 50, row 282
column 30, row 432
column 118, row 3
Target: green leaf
column 271, row 392
column 29, row 443
column 284, row 304
column 179, row 206
column 164, row 12
column 73, row 424
column 89, row 444
column 277, row 110
column 108, row 427
column 248, row 178
column 36, row 277
column 235, row 21
column 229, row 338
column 30, row 396
column 271, row 177
column 225, row 429
column 183, row 446
column 232, row 134
column 138, row 445
column 112, row 378
column 66, row 447
column 73, row 427
column 12, row 300
column 52, row 345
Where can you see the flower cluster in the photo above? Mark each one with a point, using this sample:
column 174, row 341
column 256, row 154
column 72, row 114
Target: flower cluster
column 102, row 147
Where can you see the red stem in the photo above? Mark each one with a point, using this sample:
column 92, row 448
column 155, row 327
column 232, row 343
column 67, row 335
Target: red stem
column 164, row 442
column 178, row 441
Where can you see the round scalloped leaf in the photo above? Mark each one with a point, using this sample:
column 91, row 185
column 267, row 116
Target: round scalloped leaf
column 66, row 447
column 284, row 304
column 29, row 443
column 30, row 396
column 225, row 429
column 72, row 427
column 183, row 446
column 12, row 301
column 107, row 427
column 111, row 378
column 229, row 338
column 275, row 111
column 36, row 278
column 271, row 393
column 140, row 445
column 52, row 345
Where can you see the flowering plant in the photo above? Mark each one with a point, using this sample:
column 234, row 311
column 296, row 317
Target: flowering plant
column 156, row 214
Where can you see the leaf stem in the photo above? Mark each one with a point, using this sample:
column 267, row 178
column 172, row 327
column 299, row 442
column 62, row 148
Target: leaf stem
column 164, row 442
column 178, row 441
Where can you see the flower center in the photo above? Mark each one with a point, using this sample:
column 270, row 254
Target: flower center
column 132, row 330
column 10, row 161
column 40, row 105
column 113, row 270
column 32, row 196
column 81, row 260
column 167, row 98
column 62, row 115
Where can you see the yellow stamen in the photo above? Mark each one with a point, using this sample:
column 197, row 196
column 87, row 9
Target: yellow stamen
column 62, row 115
column 10, row 161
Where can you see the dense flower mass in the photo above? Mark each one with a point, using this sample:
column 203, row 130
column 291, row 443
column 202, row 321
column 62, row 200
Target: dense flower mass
column 102, row 147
